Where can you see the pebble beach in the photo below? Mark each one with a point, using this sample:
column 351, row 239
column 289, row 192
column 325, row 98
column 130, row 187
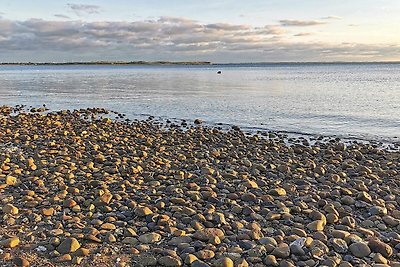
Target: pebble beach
column 79, row 188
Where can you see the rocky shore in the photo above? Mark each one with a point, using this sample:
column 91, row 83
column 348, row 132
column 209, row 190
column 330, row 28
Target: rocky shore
column 80, row 188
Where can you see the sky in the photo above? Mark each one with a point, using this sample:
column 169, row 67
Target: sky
column 219, row 31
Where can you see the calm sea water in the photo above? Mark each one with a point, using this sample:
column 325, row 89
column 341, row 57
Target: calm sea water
column 346, row 100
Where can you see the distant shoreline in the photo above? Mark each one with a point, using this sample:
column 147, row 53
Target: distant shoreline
column 168, row 63
column 110, row 63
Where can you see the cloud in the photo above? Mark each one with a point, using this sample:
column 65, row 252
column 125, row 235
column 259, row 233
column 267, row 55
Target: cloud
column 300, row 23
column 303, row 34
column 179, row 33
column 168, row 38
column 271, row 29
column 61, row 16
column 227, row 27
column 80, row 9
column 332, row 18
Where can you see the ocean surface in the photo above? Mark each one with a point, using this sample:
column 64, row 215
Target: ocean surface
column 359, row 101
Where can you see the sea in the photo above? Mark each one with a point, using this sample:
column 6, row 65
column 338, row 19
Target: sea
column 356, row 101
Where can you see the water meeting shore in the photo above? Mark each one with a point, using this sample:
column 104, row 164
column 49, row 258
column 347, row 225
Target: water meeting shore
column 80, row 187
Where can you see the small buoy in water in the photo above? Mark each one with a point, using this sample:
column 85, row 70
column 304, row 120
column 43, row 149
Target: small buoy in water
column 219, row 72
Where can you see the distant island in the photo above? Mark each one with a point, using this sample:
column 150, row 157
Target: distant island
column 112, row 63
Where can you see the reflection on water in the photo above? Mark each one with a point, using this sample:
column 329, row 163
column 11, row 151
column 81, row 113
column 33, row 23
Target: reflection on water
column 357, row 100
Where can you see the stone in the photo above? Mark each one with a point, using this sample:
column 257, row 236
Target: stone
column 348, row 200
column 223, row 262
column 364, row 196
column 340, row 234
column 48, row 211
column 270, row 260
column 11, row 180
column 69, row 203
column 317, row 225
column 69, row 245
column 249, row 197
column 110, row 238
column 5, row 256
column 360, row 249
column 143, row 211
column 77, row 260
column 378, row 258
column 11, row 242
column 332, row 218
column 108, row 226
column 10, row 209
column 297, row 250
column 378, row 210
column 205, row 254
column 348, row 221
column 170, row 261
column 130, row 240
column 380, row 247
column 106, row 198
column 175, row 241
column 82, row 252
column 208, row 233
column 271, row 216
column 150, row 238
column 282, row 251
column 199, row 263
column 389, row 220
column 21, row 262
column 286, row 263
column 278, row 192
column 268, row 241
column 241, row 263
column 339, row 245
column 190, row 258
column 63, row 258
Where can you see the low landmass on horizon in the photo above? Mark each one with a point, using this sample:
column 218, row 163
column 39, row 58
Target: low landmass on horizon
column 112, row 63
column 157, row 63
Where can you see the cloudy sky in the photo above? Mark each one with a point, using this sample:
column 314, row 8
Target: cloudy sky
column 209, row 30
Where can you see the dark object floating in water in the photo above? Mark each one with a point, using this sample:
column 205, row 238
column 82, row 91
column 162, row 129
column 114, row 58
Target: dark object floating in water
column 219, row 72
column 198, row 121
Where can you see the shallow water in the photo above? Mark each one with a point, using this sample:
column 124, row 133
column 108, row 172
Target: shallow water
column 346, row 100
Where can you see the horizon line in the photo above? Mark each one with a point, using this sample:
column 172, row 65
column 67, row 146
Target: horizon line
column 163, row 62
